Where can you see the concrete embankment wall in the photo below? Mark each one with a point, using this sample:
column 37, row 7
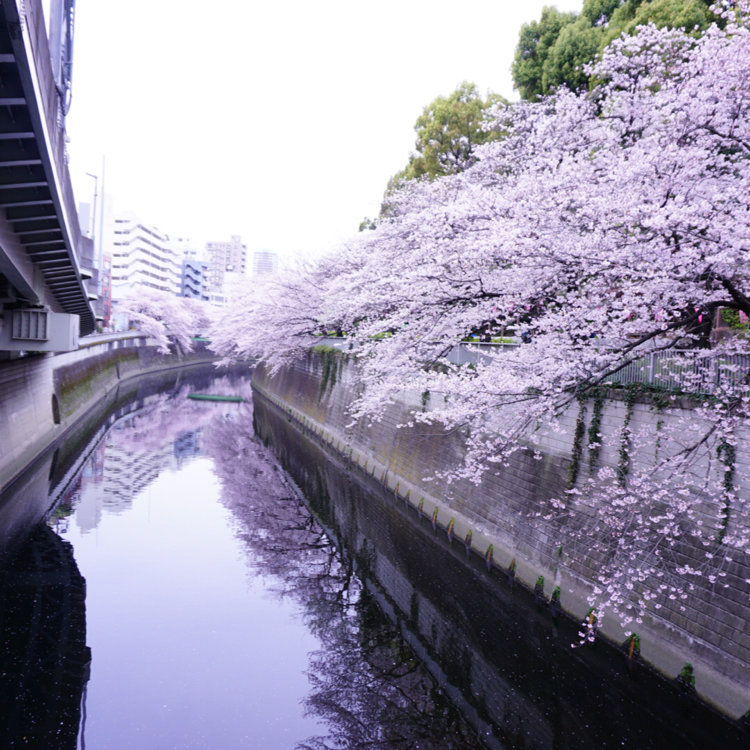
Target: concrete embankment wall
column 502, row 656
column 43, row 396
column 502, row 517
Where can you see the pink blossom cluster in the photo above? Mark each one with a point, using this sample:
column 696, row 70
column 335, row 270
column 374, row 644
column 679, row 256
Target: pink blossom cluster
column 605, row 226
column 166, row 317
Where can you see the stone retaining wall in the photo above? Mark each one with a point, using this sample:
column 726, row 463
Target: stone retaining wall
column 502, row 656
column 500, row 515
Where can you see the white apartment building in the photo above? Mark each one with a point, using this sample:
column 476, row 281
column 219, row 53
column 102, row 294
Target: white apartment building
column 264, row 262
column 187, row 248
column 227, row 262
column 143, row 255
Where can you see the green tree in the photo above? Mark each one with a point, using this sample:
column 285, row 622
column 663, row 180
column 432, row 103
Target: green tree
column 598, row 12
column 535, row 42
column 577, row 44
column 448, row 130
column 675, row 14
column 553, row 50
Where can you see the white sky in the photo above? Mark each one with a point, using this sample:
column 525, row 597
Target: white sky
column 277, row 121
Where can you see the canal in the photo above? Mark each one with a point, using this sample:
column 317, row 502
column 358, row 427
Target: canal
column 209, row 577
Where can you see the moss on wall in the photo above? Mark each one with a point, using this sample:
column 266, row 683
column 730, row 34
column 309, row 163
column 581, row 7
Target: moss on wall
column 79, row 382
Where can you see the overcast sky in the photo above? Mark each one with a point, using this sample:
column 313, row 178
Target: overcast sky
column 277, row 121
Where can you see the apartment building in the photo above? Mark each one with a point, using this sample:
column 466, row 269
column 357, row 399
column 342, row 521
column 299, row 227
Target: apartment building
column 264, row 262
column 194, row 280
column 143, row 255
column 227, row 261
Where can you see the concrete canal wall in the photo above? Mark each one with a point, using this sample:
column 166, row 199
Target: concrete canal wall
column 503, row 657
column 43, row 396
column 502, row 516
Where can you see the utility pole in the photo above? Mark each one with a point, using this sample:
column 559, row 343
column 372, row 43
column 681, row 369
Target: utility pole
column 100, row 253
column 92, row 220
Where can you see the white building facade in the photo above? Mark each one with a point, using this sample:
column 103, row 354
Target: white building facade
column 227, row 264
column 264, row 262
column 143, row 256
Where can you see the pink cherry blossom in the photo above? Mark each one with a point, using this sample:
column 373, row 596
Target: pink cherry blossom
column 606, row 227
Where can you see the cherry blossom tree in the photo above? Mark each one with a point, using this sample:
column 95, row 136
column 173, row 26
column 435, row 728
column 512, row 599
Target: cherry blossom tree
column 608, row 226
column 165, row 316
column 276, row 317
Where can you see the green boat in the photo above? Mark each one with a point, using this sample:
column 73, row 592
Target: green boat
column 214, row 397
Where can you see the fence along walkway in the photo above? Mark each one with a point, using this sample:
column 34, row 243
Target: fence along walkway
column 691, row 371
column 686, row 370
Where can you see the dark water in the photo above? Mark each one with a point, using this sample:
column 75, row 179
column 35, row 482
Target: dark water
column 215, row 612
column 504, row 658
column 220, row 610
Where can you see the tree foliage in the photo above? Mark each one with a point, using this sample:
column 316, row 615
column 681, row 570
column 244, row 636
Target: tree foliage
column 535, row 43
column 676, row 14
column 554, row 50
column 166, row 317
column 609, row 225
column 292, row 309
column 448, row 131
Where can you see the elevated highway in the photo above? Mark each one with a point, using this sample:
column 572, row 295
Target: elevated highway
column 44, row 301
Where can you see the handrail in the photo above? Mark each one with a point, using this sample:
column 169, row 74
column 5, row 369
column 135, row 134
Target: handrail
column 693, row 371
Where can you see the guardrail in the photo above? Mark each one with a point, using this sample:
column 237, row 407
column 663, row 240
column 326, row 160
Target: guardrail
column 691, row 371
column 121, row 336
column 687, row 370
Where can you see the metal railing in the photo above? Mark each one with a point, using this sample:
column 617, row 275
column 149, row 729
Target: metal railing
column 686, row 370
column 691, row 371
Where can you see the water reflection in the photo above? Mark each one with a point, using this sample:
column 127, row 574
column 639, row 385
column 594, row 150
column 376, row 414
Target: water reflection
column 189, row 651
column 502, row 657
column 184, row 524
column 365, row 687
column 159, row 434
column 54, row 477
column 367, row 683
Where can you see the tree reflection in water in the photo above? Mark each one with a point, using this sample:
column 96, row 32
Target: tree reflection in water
column 367, row 685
